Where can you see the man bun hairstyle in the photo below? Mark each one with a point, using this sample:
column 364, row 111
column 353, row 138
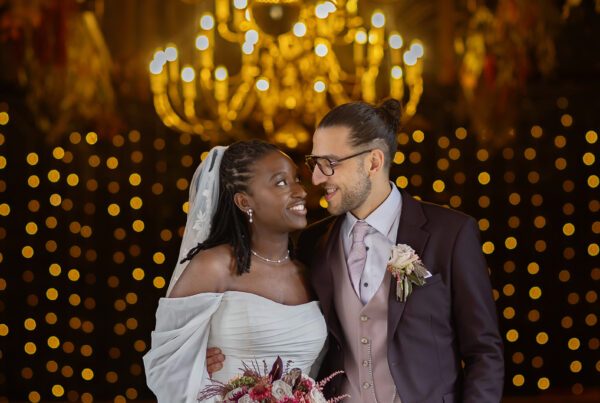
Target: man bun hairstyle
column 371, row 125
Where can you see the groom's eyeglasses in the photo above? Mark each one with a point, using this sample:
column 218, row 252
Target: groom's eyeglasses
column 326, row 165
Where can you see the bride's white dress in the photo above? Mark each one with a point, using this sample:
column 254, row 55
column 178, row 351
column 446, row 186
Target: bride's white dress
column 246, row 327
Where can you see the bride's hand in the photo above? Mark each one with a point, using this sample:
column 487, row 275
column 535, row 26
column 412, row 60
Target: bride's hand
column 214, row 360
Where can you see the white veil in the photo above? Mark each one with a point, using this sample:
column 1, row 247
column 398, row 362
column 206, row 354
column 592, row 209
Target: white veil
column 204, row 195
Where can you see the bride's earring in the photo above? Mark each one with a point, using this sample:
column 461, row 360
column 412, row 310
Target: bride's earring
column 249, row 212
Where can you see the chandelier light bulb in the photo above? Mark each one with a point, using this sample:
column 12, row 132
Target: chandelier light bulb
column 240, row 4
column 207, row 22
column 247, row 48
column 156, row 67
column 299, row 29
column 171, row 53
column 262, row 84
column 202, row 42
column 417, row 49
column 321, row 11
column 188, row 74
column 395, row 41
column 251, row 36
column 410, row 58
column 221, row 73
column 378, row 19
column 319, row 86
column 321, row 50
column 360, row 37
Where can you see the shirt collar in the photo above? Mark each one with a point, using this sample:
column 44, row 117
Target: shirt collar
column 380, row 217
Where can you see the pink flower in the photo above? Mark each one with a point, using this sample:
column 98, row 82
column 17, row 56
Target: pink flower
column 260, row 392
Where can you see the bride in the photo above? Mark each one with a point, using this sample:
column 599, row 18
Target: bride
column 236, row 285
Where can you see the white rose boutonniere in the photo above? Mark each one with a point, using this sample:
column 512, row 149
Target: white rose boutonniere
column 407, row 268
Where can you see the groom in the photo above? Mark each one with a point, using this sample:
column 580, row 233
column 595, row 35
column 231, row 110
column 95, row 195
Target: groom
column 442, row 343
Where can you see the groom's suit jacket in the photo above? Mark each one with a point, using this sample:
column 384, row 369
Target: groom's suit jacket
column 452, row 318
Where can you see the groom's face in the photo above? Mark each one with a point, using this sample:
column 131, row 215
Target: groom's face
column 349, row 186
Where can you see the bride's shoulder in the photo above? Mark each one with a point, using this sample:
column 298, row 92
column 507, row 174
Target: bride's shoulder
column 208, row 271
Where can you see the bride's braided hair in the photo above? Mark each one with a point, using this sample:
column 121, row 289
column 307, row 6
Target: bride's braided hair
column 230, row 224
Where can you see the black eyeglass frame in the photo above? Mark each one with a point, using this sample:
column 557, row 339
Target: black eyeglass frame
column 313, row 160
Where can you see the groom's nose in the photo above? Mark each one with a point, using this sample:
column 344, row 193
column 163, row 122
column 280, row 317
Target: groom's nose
column 318, row 177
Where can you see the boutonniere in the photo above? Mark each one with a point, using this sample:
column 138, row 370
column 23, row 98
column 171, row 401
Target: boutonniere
column 407, row 268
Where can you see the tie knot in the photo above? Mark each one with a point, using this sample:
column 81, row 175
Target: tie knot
column 359, row 231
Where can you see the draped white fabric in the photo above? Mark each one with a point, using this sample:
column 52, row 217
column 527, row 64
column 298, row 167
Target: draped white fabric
column 246, row 327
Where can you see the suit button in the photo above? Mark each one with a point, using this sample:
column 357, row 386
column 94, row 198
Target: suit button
column 364, row 340
column 366, row 385
column 365, row 363
column 364, row 318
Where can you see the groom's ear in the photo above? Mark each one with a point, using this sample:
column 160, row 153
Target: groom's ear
column 242, row 201
column 376, row 161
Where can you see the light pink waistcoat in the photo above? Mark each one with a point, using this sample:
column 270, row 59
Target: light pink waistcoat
column 365, row 331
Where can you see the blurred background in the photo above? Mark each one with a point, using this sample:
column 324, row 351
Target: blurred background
column 108, row 106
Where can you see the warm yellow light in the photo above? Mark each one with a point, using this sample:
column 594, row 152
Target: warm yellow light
column 593, row 181
column 512, row 335
column 591, row 137
column 53, row 342
column 588, row 158
column 536, row 132
column 87, row 374
column 438, row 186
column 535, row 292
column 4, row 118
column 72, row 179
column 402, row 182
column 58, row 153
column 30, row 324
column 542, row 338
column 73, row 275
column 30, row 348
column 32, row 159
column 158, row 282
column 378, row 19
column 543, row 383
column 54, row 269
column 575, row 366
column 518, row 380
column 31, row 228
column 395, row 41
column 207, row 21
column 488, row 247
column 484, row 178
column 58, row 390
column 510, row 243
column 574, row 343
column 396, row 72
column 4, row 209
column 568, row 229
column 138, row 274
column 533, row 268
column 138, row 225
column 135, row 179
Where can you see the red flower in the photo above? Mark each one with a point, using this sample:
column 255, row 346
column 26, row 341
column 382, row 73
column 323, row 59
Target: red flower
column 260, row 392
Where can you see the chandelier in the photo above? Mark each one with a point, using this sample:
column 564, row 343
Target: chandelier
column 282, row 64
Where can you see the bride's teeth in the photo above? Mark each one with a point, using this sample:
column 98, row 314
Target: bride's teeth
column 299, row 207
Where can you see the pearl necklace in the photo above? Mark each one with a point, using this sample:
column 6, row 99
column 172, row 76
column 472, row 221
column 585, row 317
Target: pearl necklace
column 266, row 259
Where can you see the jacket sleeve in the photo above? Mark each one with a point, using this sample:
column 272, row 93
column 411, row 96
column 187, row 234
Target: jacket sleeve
column 175, row 364
column 475, row 317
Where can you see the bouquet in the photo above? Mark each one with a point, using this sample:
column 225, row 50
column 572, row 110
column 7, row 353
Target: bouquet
column 256, row 386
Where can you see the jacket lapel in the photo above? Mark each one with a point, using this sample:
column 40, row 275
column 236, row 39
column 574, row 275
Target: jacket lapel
column 410, row 232
column 323, row 281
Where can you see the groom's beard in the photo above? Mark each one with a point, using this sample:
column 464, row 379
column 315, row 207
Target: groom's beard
column 353, row 196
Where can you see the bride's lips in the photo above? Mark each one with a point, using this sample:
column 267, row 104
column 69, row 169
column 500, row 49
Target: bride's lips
column 298, row 208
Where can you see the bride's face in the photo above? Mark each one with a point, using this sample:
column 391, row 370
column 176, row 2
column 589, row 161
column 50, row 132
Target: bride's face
column 276, row 196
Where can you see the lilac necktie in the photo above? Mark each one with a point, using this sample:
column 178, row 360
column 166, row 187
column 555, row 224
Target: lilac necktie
column 358, row 254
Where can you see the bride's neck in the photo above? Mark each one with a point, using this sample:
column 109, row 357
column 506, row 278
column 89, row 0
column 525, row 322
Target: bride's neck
column 270, row 244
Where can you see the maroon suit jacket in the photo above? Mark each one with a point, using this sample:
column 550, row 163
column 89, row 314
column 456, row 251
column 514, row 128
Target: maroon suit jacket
column 449, row 319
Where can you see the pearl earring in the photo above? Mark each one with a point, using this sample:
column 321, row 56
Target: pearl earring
column 249, row 212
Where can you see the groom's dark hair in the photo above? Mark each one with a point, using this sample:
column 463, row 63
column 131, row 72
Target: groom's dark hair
column 369, row 124
column 229, row 224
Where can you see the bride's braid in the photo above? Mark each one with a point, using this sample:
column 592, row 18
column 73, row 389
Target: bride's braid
column 229, row 224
